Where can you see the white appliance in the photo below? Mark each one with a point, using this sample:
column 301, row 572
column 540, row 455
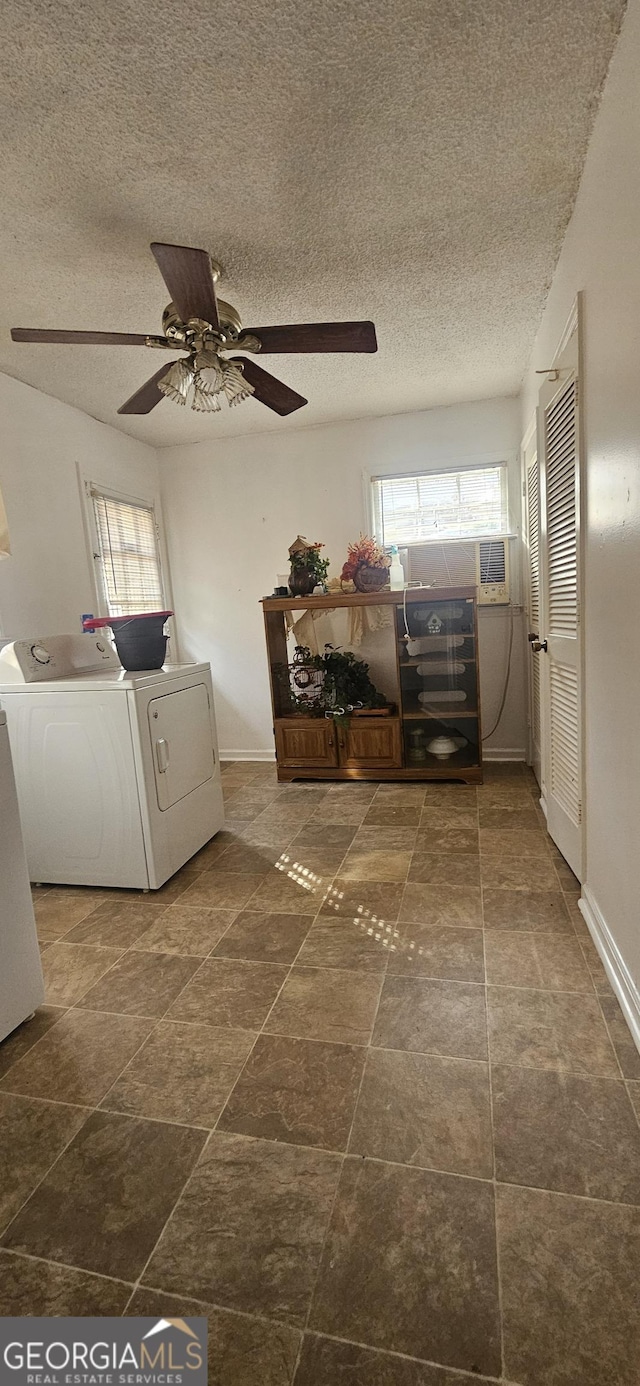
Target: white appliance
column 117, row 773
column 21, row 985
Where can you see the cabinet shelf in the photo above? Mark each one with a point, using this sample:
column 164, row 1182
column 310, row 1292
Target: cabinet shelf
column 438, row 716
column 448, row 635
column 413, row 660
column 466, row 756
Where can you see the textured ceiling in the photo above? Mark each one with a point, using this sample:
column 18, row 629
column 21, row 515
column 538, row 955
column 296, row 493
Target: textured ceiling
column 414, row 163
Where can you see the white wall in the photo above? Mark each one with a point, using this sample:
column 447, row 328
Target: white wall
column 233, row 508
column 47, row 583
column 600, row 257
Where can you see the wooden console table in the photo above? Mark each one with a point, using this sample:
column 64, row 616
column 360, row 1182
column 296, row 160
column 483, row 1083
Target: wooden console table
column 438, row 694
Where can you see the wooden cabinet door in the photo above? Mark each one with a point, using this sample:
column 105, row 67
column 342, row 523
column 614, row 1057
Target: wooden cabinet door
column 370, row 742
column 306, row 743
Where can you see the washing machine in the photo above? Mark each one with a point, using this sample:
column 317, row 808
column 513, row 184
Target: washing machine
column 117, row 773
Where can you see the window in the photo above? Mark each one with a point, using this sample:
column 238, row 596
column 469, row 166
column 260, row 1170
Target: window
column 127, row 554
column 440, row 505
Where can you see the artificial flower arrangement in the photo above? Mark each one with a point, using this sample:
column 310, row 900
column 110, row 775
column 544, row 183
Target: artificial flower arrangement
column 367, row 565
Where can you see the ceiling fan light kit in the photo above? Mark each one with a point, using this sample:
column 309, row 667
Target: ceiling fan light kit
column 177, row 382
column 207, row 328
column 221, row 377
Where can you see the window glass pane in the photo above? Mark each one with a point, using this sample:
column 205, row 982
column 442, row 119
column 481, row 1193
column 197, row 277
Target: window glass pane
column 444, row 505
column 128, row 552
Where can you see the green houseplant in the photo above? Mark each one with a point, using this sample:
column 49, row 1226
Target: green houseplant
column 337, row 681
column 308, row 568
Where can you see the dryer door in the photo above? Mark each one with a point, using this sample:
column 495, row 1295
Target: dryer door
column 181, row 741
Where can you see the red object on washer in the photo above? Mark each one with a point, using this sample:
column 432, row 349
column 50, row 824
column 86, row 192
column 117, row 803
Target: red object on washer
column 93, row 622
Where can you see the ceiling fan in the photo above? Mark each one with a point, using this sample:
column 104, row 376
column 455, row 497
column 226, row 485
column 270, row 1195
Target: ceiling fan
column 210, row 332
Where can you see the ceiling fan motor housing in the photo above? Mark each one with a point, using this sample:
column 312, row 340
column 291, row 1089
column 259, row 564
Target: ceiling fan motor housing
column 182, row 334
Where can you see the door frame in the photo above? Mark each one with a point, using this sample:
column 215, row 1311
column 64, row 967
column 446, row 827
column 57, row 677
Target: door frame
column 574, row 325
column 529, row 456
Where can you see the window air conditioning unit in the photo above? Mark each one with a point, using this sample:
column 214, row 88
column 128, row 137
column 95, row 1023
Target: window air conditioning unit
column 481, row 563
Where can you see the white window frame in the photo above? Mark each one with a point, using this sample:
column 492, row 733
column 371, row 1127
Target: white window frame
column 89, row 486
column 466, row 465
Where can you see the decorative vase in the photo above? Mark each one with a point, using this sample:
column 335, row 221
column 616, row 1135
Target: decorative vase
column 301, row 582
column 417, row 747
column 442, row 747
column 368, row 579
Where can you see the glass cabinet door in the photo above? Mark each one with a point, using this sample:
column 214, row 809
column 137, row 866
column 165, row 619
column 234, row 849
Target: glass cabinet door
column 438, row 683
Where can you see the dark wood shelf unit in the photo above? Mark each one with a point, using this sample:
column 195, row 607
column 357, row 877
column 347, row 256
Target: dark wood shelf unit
column 379, row 747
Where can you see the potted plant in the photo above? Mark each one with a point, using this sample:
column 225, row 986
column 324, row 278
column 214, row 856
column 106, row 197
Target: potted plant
column 367, row 565
column 308, row 569
column 336, row 682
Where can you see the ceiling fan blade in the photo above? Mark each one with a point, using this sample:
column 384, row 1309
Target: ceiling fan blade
column 188, row 276
column 146, row 398
column 281, row 398
column 37, row 334
column 318, row 336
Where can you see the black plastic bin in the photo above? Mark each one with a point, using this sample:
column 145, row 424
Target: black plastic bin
column 139, row 639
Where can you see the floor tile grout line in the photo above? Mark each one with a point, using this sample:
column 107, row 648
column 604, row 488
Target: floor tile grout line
column 62, row 1265
column 316, row 1279
column 429, row 1053
column 167, row 1220
column 262, row 1030
column 123, row 1070
column 155, row 1019
column 48, row 1101
column 494, row 1164
column 224, row 1309
column 341, row 1155
column 206, row 1143
column 394, row 1354
column 609, row 1035
column 9, row 1224
column 636, row 1110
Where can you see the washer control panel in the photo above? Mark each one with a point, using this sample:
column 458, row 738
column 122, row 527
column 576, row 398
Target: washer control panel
column 56, row 657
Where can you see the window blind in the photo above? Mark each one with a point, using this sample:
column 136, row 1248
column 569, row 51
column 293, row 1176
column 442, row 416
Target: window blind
column 128, row 555
column 441, row 505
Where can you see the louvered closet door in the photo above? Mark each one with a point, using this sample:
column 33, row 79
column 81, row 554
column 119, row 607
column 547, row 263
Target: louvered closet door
column 560, row 667
column 532, row 539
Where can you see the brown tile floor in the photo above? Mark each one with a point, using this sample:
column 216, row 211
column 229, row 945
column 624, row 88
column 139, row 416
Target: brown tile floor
column 353, row 1084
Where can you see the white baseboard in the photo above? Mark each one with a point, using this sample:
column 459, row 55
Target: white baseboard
column 613, row 962
column 504, row 753
column 248, row 755
column 490, row 753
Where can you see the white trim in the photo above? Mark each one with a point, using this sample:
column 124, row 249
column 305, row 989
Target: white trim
column 367, row 502
column 613, row 962
column 530, row 433
column 517, row 753
column 449, row 470
column 247, row 755
column 570, row 326
column 461, row 461
column 504, row 753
